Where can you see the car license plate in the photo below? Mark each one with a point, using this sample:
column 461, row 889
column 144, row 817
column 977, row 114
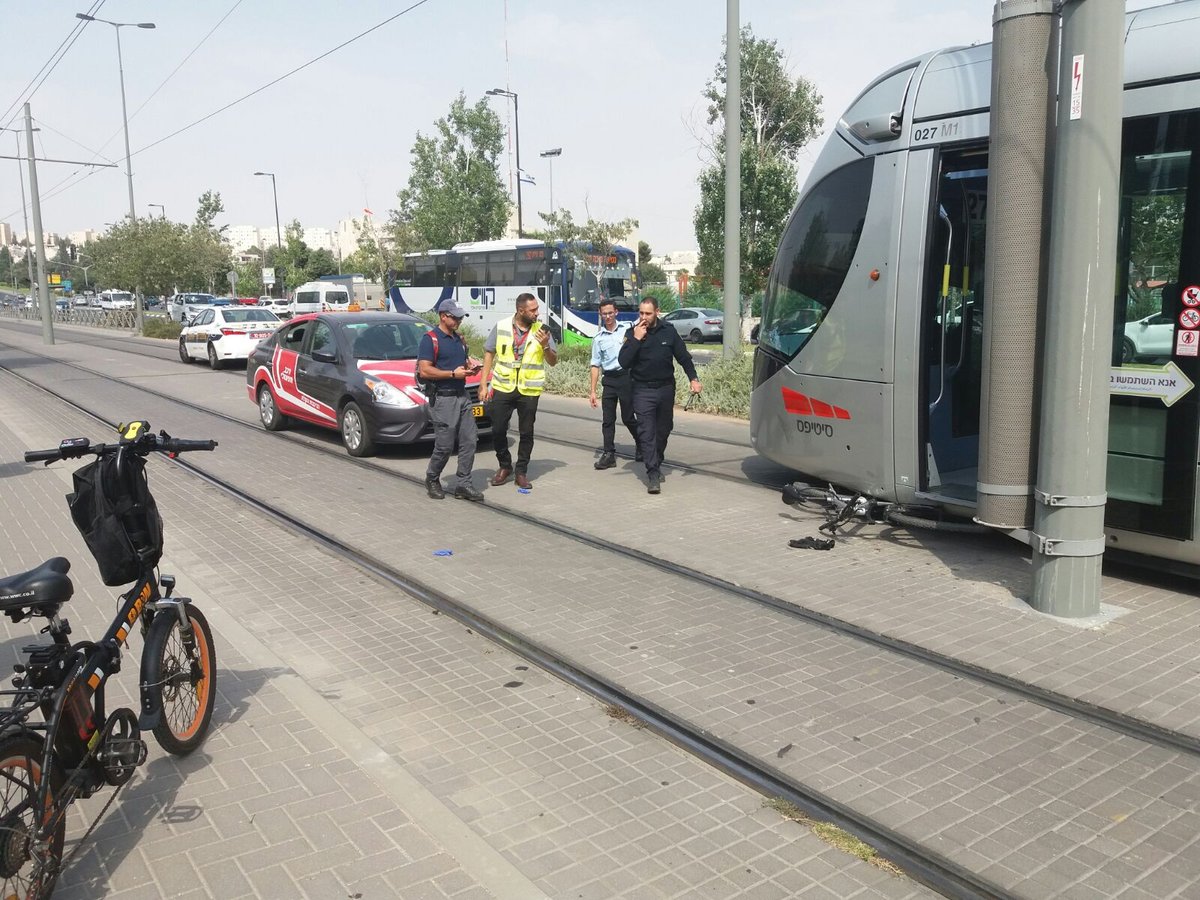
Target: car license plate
column 477, row 410
column 260, row 334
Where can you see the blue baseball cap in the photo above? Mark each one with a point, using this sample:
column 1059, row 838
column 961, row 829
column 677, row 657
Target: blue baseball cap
column 451, row 308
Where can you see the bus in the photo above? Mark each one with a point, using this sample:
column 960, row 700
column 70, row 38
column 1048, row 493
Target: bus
column 485, row 277
column 869, row 368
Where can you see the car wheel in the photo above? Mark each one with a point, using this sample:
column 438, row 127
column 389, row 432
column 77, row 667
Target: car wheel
column 697, row 336
column 183, row 353
column 356, row 434
column 212, row 357
column 1128, row 351
column 268, row 410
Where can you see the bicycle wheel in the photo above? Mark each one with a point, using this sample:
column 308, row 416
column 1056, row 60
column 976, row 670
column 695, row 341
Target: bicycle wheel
column 24, row 874
column 181, row 672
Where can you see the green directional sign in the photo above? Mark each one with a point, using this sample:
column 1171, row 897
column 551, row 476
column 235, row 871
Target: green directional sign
column 1165, row 383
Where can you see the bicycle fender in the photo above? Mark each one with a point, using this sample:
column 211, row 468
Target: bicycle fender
column 151, row 712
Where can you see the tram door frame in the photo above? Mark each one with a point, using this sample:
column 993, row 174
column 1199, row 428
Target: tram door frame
column 952, row 265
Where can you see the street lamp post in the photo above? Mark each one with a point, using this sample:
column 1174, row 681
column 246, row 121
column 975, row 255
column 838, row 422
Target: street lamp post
column 500, row 92
column 278, row 233
column 550, row 155
column 162, row 209
column 117, row 26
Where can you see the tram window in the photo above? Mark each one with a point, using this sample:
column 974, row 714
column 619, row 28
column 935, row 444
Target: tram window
column 814, row 257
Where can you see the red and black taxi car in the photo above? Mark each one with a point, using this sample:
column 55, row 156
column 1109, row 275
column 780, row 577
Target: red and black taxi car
column 355, row 372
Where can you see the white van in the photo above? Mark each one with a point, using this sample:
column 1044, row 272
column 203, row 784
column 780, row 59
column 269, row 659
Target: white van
column 116, row 300
column 320, row 296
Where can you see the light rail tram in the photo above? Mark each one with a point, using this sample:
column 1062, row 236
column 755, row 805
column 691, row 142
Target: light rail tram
column 869, row 365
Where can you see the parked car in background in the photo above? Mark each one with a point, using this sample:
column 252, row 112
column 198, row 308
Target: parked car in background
column 225, row 334
column 62, row 304
column 1149, row 338
column 281, row 306
column 352, row 372
column 179, row 301
column 697, row 324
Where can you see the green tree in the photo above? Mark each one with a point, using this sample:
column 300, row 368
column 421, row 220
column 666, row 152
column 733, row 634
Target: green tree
column 779, row 115
column 147, row 254
column 455, row 192
column 593, row 240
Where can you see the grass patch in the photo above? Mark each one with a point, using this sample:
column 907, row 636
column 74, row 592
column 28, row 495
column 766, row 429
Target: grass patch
column 835, row 837
column 161, row 328
column 621, row 714
column 726, row 381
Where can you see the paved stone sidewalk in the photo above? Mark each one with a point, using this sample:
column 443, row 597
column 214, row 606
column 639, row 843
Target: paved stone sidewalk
column 571, row 800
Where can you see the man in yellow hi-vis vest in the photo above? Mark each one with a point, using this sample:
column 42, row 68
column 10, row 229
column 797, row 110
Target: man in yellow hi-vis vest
column 515, row 357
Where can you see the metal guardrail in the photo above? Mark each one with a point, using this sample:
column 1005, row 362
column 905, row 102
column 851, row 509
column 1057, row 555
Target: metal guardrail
column 118, row 319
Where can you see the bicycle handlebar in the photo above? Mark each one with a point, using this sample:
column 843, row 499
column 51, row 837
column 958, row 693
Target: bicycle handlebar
column 139, row 441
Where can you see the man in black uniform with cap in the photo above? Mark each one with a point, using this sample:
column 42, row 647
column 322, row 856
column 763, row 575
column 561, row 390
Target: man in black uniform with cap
column 646, row 354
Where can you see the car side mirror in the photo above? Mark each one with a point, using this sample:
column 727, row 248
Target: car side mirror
column 324, row 356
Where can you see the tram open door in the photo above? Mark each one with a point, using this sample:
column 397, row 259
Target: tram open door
column 1154, row 429
column 952, row 336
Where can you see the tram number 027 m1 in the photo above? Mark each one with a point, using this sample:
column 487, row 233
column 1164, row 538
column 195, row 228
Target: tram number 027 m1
column 821, row 429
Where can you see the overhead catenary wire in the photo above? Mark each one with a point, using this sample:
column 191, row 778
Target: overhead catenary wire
column 55, row 58
column 55, row 191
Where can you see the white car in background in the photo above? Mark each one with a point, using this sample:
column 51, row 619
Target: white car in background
column 281, row 306
column 116, row 300
column 226, row 334
column 1151, row 338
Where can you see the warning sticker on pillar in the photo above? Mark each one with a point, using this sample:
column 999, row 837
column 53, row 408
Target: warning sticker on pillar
column 1077, row 87
column 1191, row 295
column 1166, row 383
column 1187, row 343
column 1190, row 318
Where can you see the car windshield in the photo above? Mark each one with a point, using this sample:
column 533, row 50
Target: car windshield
column 250, row 315
column 385, row 340
column 120, row 297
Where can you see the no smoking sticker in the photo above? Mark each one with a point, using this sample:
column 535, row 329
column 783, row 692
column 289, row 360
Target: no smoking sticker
column 1190, row 318
column 1187, row 343
column 1191, row 295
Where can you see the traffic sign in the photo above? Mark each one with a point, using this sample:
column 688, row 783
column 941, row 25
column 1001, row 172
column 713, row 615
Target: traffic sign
column 232, row 277
column 1190, row 318
column 268, row 276
column 1191, row 295
column 1187, row 343
column 1166, row 383
column 67, row 285
column 55, row 278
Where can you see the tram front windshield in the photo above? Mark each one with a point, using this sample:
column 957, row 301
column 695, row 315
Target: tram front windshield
column 814, row 258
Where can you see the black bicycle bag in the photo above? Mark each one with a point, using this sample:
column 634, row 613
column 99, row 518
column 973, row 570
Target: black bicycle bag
column 125, row 531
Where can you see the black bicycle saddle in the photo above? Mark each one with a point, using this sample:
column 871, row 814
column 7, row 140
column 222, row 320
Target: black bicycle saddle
column 44, row 586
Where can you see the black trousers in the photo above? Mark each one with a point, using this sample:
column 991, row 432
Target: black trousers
column 502, row 407
column 655, row 411
column 617, row 389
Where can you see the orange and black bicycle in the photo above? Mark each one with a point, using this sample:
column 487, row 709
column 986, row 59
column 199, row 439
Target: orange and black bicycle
column 57, row 742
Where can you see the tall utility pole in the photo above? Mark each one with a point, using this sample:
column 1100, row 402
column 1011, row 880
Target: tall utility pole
column 500, row 92
column 117, row 26
column 732, row 331
column 1068, row 523
column 24, row 209
column 278, row 232
column 43, row 287
column 550, row 155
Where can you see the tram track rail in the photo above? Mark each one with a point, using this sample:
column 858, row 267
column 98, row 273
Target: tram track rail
column 1073, row 707
column 921, row 863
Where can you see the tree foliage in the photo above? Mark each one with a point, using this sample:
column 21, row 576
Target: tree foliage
column 455, row 192
column 779, row 115
column 602, row 236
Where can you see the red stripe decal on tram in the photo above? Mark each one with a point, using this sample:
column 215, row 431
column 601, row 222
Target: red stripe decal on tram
column 802, row 405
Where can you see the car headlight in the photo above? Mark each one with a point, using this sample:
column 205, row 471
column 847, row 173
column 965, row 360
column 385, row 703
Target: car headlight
column 387, row 395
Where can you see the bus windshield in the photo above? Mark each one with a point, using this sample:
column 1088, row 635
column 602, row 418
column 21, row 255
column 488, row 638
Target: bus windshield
column 596, row 277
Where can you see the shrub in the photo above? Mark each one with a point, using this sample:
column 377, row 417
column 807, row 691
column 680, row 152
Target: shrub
column 161, row 328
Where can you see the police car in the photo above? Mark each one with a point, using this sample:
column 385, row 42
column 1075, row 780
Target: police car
column 353, row 372
column 225, row 334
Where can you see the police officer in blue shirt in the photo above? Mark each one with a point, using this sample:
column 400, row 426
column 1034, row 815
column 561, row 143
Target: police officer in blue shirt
column 606, row 346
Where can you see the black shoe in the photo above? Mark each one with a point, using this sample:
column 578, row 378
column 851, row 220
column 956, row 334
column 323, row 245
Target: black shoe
column 607, row 460
column 637, row 455
column 433, row 487
column 655, row 485
column 468, row 493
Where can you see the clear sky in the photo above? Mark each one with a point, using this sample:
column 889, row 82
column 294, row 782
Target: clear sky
column 617, row 86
